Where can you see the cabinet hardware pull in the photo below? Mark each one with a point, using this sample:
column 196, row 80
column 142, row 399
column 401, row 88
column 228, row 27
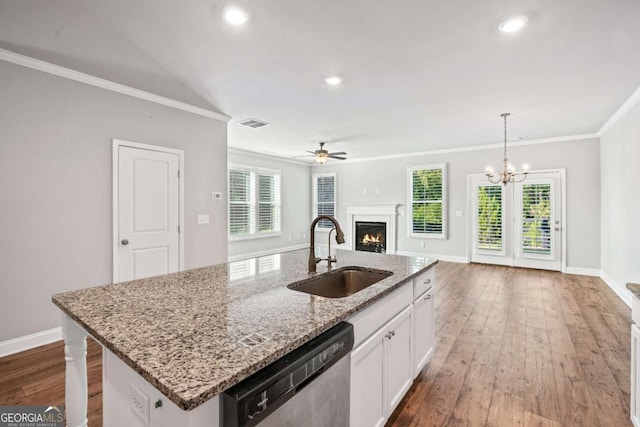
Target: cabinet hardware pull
column 388, row 336
column 393, row 333
column 427, row 297
column 426, row 282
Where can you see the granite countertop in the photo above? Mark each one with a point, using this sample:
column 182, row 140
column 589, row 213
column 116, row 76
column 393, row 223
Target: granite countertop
column 180, row 331
column 634, row 288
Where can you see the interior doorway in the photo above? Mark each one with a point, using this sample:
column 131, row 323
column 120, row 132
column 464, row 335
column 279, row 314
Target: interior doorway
column 520, row 224
column 148, row 210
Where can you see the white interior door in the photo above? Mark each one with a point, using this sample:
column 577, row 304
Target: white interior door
column 518, row 224
column 148, row 213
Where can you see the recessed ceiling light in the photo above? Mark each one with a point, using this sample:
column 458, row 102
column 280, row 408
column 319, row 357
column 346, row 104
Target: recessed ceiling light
column 333, row 80
column 235, row 16
column 514, row 24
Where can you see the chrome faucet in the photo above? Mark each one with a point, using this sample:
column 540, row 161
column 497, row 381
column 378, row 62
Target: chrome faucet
column 312, row 253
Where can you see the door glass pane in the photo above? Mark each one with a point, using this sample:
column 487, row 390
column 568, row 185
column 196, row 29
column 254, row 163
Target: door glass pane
column 536, row 219
column 490, row 215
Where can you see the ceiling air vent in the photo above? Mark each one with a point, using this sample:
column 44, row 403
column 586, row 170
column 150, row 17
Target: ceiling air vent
column 254, row 123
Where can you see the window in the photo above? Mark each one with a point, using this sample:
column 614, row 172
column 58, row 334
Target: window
column 324, row 198
column 254, row 202
column 489, row 217
column 427, row 201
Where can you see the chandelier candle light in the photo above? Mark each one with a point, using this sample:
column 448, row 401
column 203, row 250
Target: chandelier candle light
column 508, row 173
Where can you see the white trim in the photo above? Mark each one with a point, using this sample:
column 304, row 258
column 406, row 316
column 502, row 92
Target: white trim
column 447, row 258
column 27, row 342
column 581, row 271
column 255, row 170
column 476, row 148
column 382, row 213
column 272, row 157
column 624, row 109
column 444, row 202
column 249, row 255
column 314, row 197
column 67, row 73
column 116, row 144
column 621, row 291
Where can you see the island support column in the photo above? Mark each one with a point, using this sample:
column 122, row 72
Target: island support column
column 76, row 389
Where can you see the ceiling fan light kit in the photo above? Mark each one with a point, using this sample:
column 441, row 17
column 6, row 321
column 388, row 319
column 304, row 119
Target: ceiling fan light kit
column 321, row 156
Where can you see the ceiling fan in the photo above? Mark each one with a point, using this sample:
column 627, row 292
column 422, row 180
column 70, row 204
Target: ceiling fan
column 321, row 156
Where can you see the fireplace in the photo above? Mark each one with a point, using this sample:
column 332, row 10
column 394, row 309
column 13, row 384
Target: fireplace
column 371, row 236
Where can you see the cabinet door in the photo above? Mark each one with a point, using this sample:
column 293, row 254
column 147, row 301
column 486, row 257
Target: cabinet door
column 367, row 383
column 423, row 330
column 635, row 375
column 398, row 370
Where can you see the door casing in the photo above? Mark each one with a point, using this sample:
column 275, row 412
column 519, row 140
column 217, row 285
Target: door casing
column 563, row 214
column 116, row 144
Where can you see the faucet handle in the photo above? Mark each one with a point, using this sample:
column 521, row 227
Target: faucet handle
column 318, row 260
column 332, row 259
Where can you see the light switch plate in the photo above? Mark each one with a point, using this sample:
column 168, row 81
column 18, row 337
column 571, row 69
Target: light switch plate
column 459, row 214
column 203, row 219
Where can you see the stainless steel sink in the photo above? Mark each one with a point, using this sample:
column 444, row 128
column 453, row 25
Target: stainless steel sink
column 340, row 283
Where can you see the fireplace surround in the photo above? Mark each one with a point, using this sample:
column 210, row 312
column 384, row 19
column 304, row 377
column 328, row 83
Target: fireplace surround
column 380, row 214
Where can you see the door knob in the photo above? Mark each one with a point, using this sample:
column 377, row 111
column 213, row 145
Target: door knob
column 124, row 242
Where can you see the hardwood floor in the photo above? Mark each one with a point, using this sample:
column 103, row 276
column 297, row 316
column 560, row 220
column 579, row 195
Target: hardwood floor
column 514, row 347
column 520, row 347
column 36, row 377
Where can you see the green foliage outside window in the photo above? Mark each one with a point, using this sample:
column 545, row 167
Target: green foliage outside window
column 427, row 201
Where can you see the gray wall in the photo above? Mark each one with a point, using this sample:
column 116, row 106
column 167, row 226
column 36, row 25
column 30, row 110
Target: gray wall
column 620, row 178
column 55, row 170
column 296, row 205
column 580, row 158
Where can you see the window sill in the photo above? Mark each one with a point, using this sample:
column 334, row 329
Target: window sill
column 252, row 236
column 428, row 236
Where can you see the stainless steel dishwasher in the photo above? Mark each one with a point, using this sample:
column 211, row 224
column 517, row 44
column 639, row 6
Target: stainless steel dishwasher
column 307, row 387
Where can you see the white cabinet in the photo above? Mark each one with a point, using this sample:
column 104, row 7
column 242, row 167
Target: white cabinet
column 423, row 331
column 367, row 382
column 397, row 360
column 635, row 375
column 381, row 372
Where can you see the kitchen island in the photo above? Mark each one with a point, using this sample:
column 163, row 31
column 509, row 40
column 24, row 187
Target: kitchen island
column 190, row 335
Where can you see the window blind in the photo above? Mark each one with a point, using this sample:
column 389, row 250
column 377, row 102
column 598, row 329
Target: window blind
column 427, row 201
column 490, row 218
column 325, row 198
column 241, row 203
column 254, row 202
column 269, row 202
column 536, row 219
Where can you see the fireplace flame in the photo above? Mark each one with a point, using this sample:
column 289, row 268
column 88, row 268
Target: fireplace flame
column 370, row 238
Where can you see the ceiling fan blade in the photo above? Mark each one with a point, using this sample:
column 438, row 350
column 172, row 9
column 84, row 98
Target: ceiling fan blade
column 337, row 157
column 305, row 155
column 311, row 152
column 339, row 153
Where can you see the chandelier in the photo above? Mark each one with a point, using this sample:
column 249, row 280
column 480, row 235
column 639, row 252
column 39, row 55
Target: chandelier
column 508, row 173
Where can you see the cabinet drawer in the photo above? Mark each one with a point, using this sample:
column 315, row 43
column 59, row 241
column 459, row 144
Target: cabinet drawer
column 423, row 282
column 373, row 318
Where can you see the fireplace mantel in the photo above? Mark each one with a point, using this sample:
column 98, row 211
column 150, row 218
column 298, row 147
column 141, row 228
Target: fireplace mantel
column 374, row 213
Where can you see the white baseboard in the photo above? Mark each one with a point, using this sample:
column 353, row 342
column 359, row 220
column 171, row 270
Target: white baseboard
column 267, row 252
column 620, row 290
column 28, row 342
column 594, row 272
column 448, row 258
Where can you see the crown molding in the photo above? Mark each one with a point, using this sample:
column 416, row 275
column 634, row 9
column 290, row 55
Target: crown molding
column 275, row 158
column 47, row 67
column 476, row 148
column 624, row 109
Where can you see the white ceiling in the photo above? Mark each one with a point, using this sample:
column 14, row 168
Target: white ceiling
column 418, row 75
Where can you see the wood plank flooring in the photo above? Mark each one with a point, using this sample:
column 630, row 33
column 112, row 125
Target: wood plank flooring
column 520, row 347
column 514, row 347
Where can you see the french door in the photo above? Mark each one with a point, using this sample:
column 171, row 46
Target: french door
column 518, row 224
